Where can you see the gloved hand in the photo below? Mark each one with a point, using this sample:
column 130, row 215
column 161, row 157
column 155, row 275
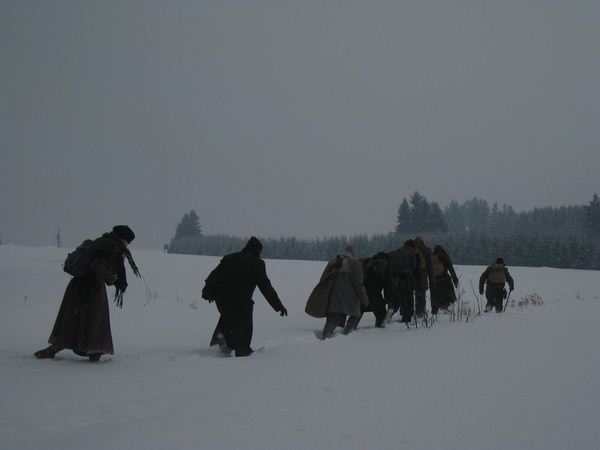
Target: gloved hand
column 121, row 284
column 480, row 291
column 283, row 311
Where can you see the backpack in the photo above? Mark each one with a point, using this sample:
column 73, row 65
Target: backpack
column 77, row 263
column 215, row 279
column 376, row 268
column 496, row 274
column 437, row 265
column 212, row 284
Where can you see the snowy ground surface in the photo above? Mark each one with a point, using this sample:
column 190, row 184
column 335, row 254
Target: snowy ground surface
column 527, row 379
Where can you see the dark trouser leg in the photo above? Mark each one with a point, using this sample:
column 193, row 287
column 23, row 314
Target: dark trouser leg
column 331, row 323
column 236, row 325
column 499, row 301
column 355, row 321
column 407, row 308
column 435, row 306
column 244, row 336
column 493, row 294
column 351, row 324
column 420, row 302
column 376, row 304
column 407, row 301
column 391, row 292
column 379, row 311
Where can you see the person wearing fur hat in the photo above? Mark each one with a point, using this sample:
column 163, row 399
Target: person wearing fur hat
column 347, row 294
column 494, row 278
column 237, row 276
column 83, row 321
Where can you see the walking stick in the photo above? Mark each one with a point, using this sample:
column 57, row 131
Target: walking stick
column 507, row 298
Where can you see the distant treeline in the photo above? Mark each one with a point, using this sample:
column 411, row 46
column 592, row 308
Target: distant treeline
column 471, row 232
column 569, row 251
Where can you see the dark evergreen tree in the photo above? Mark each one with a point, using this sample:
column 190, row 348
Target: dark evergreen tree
column 454, row 217
column 420, row 212
column 477, row 214
column 435, row 220
column 591, row 218
column 404, row 223
column 189, row 227
column 420, row 216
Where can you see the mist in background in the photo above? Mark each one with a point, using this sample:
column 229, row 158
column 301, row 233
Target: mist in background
column 293, row 118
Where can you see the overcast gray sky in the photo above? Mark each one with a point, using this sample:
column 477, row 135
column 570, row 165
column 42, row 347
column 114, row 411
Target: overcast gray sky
column 277, row 117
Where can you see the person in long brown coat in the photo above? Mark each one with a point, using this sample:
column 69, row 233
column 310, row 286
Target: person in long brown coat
column 83, row 321
column 445, row 280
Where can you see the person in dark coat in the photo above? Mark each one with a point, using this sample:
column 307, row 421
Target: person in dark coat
column 445, row 280
column 347, row 294
column 239, row 275
column 374, row 273
column 425, row 279
column 494, row 277
column 400, row 284
column 83, row 321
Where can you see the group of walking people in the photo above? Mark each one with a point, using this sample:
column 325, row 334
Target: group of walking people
column 383, row 284
column 396, row 281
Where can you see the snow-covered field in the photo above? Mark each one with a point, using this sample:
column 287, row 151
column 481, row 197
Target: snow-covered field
column 527, row 379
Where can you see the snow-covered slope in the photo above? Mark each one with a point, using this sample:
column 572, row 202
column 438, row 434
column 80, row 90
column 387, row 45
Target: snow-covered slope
column 527, row 379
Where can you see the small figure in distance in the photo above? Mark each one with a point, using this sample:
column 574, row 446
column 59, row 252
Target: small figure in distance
column 494, row 278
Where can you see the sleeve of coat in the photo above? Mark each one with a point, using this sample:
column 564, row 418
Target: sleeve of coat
column 511, row 282
column 453, row 273
column 265, row 287
column 358, row 281
column 483, row 278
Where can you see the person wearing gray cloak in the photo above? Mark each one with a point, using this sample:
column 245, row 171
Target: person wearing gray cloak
column 347, row 292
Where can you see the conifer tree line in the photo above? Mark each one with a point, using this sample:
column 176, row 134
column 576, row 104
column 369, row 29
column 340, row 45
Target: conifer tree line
column 472, row 232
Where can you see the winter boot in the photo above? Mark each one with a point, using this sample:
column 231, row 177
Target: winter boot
column 222, row 343
column 244, row 352
column 388, row 315
column 351, row 325
column 95, row 357
column 46, row 353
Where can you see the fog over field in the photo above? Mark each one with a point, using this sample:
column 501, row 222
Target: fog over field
column 288, row 118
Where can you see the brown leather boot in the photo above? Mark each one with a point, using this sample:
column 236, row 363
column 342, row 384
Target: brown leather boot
column 46, row 353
